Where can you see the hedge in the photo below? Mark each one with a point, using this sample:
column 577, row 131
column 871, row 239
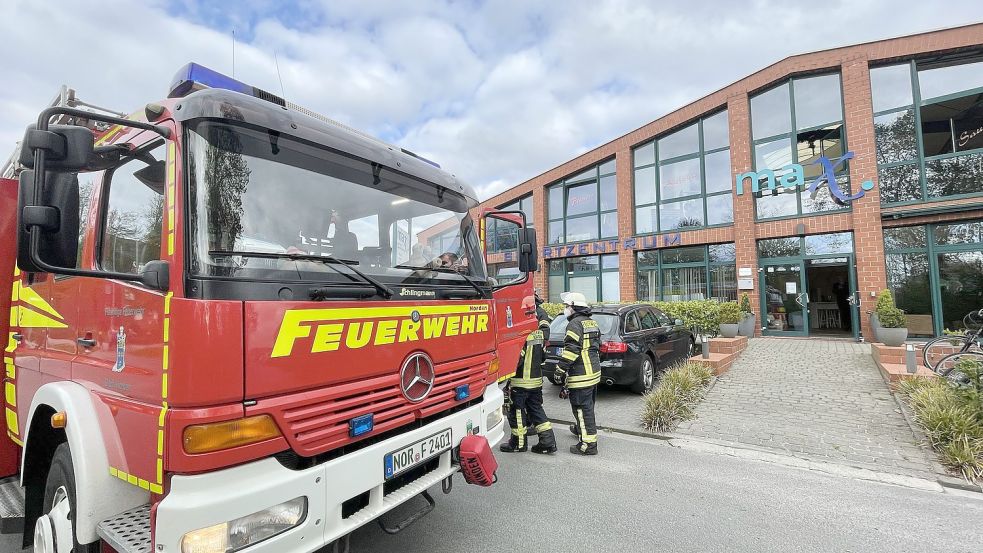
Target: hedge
column 702, row 316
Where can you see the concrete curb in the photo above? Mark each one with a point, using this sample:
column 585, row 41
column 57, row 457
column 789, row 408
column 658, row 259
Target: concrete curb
column 738, row 450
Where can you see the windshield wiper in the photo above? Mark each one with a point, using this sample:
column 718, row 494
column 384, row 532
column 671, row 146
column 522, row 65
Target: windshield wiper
column 383, row 290
column 481, row 293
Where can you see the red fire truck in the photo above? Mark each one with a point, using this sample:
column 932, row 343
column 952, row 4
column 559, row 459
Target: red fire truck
column 226, row 332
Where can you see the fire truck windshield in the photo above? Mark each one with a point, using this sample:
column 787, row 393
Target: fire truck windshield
column 254, row 191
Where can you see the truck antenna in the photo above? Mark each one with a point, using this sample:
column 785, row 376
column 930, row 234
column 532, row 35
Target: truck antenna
column 277, row 63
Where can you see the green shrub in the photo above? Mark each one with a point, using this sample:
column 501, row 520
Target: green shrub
column 953, row 420
column 746, row 303
column 552, row 309
column 885, row 301
column 700, row 315
column 966, row 455
column 674, row 399
column 892, row 317
column 730, row 313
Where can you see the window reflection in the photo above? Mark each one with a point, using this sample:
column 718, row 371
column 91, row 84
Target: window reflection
column 771, row 113
column 817, row 101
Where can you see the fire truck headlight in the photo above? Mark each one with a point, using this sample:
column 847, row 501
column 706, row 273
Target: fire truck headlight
column 246, row 531
column 494, row 418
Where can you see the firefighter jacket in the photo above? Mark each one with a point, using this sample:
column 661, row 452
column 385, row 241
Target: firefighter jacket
column 581, row 358
column 529, row 372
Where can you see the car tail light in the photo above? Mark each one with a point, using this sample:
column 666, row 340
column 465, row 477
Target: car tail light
column 614, row 347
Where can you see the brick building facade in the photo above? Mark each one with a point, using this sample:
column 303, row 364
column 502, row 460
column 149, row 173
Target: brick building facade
column 665, row 201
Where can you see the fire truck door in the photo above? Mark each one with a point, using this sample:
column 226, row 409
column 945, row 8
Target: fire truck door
column 514, row 305
column 60, row 345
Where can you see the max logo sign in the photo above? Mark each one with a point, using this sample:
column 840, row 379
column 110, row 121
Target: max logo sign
column 793, row 176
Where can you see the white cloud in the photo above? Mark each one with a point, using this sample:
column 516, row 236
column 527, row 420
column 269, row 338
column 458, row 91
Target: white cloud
column 497, row 92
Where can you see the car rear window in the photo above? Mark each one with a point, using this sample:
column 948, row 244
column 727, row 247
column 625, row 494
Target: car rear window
column 607, row 322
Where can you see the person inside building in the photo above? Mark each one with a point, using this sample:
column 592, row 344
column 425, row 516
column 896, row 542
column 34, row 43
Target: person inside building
column 842, row 293
column 580, row 369
column 525, row 389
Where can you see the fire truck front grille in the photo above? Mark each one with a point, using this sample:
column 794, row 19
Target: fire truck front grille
column 320, row 422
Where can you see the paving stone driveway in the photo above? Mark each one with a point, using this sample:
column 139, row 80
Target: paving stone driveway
column 815, row 399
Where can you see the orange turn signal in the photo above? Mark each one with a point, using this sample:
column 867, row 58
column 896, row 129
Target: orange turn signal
column 59, row 420
column 216, row 436
column 493, row 366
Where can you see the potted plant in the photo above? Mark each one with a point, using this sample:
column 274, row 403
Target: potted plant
column 885, row 300
column 730, row 318
column 746, row 326
column 893, row 329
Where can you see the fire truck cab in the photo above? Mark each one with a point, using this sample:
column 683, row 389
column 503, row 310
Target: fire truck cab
column 237, row 325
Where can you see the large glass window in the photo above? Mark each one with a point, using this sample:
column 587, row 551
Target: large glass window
column 928, row 127
column 688, row 273
column 584, row 206
column 595, row 276
column 798, row 122
column 500, row 236
column 935, row 273
column 682, row 180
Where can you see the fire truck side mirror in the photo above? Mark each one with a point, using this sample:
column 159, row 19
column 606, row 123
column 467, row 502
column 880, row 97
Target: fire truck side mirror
column 528, row 252
column 55, row 213
column 66, row 147
column 156, row 275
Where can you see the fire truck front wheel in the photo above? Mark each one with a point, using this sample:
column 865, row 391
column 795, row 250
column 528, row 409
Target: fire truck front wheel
column 54, row 531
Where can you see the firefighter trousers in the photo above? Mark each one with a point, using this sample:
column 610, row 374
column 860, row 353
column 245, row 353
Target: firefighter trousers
column 582, row 404
column 527, row 410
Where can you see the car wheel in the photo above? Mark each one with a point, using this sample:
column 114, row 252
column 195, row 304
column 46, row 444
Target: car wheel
column 55, row 529
column 646, row 376
column 691, row 349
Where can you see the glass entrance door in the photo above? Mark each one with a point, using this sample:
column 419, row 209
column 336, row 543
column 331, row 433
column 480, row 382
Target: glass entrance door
column 784, row 297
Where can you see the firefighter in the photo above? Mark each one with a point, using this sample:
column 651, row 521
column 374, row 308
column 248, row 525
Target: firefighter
column 579, row 369
column 525, row 390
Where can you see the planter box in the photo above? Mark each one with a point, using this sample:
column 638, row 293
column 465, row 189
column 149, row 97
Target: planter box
column 729, row 330
column 746, row 326
column 893, row 336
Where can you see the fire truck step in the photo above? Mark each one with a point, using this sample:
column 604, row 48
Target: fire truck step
column 128, row 532
column 11, row 506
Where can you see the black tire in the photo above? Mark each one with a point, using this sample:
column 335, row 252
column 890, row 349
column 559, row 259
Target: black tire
column 692, row 349
column 934, row 350
column 62, row 474
column 950, row 365
column 646, row 376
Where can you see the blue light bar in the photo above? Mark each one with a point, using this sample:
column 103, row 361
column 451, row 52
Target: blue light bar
column 462, row 392
column 193, row 77
column 360, row 425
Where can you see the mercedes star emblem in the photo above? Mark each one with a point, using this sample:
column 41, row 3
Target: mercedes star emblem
column 417, row 376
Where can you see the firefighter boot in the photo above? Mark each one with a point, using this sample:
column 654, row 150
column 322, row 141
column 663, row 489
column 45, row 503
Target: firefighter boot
column 547, row 443
column 582, row 448
column 512, row 446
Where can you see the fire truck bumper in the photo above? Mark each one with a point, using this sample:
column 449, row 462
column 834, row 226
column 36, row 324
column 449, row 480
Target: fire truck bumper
column 215, row 509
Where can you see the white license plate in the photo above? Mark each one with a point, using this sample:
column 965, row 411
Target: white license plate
column 416, row 453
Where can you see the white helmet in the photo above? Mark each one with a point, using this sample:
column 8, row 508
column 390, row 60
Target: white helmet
column 575, row 299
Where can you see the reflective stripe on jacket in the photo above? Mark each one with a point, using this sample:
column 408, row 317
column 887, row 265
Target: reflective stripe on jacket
column 529, row 372
column 581, row 357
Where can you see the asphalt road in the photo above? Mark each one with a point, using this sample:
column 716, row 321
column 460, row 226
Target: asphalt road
column 643, row 495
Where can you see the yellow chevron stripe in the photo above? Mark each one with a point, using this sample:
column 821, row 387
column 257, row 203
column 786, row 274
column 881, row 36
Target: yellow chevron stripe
column 32, row 298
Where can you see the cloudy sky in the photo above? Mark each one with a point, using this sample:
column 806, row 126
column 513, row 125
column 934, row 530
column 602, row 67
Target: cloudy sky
column 497, row 91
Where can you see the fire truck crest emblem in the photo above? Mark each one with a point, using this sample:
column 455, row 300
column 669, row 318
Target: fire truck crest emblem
column 120, row 351
column 508, row 316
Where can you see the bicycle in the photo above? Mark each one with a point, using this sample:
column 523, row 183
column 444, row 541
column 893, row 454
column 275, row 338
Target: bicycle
column 972, row 340
column 962, row 368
